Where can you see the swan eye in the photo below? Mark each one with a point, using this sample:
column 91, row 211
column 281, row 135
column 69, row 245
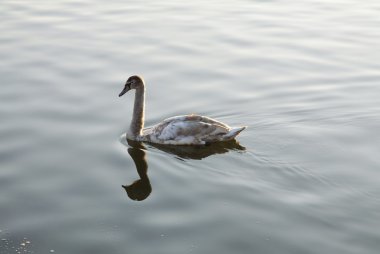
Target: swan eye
column 130, row 82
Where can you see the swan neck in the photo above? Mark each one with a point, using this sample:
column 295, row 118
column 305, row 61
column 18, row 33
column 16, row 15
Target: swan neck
column 137, row 123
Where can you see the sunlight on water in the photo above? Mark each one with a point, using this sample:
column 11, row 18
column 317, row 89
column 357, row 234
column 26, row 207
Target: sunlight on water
column 302, row 178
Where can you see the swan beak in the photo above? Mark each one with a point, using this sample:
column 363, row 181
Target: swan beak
column 126, row 89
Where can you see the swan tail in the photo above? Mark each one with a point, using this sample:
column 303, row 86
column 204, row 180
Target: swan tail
column 234, row 132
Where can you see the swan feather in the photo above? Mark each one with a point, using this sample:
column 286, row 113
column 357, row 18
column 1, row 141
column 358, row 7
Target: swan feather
column 189, row 130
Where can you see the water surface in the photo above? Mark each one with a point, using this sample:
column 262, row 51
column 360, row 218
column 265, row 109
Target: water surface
column 303, row 178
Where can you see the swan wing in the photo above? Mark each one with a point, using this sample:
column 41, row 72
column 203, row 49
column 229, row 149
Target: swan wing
column 189, row 130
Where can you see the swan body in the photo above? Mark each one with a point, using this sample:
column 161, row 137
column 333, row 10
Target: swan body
column 178, row 130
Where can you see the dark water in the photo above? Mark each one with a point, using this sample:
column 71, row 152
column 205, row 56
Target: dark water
column 303, row 75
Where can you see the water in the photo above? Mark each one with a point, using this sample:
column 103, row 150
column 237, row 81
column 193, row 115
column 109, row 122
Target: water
column 303, row 178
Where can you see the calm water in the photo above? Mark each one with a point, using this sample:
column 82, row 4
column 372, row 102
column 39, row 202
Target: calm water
column 303, row 75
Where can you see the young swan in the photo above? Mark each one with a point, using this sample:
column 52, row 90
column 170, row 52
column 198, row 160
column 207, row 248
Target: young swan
column 177, row 130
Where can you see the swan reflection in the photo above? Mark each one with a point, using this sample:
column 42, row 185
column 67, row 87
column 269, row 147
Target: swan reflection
column 141, row 188
column 199, row 152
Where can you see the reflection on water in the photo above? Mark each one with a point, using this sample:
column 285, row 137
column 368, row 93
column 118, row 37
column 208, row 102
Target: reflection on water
column 199, row 152
column 141, row 188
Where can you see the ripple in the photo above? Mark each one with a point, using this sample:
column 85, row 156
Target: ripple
column 303, row 77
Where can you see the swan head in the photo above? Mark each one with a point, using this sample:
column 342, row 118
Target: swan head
column 133, row 82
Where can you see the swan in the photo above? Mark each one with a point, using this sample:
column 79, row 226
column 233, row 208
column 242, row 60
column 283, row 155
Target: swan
column 177, row 130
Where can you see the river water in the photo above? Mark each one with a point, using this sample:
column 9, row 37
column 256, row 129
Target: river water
column 304, row 177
